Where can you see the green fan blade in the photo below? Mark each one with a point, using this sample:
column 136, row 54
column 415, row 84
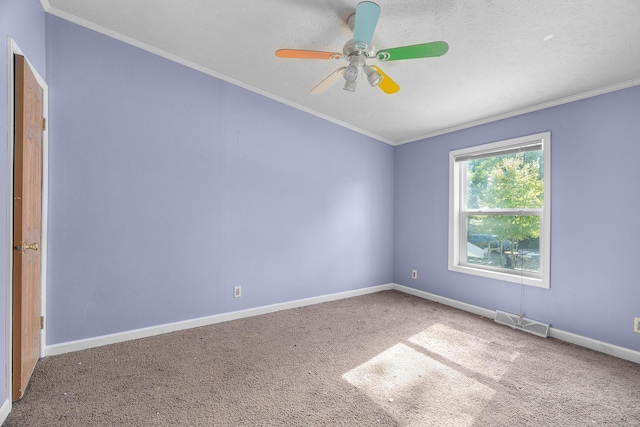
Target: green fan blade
column 424, row 50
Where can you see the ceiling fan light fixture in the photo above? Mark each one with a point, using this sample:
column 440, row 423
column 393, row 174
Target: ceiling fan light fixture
column 373, row 77
column 350, row 85
column 350, row 75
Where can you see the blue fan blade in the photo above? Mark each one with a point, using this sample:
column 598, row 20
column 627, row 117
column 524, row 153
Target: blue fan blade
column 367, row 14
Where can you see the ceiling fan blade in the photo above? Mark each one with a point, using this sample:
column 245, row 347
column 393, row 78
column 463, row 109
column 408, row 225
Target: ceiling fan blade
column 307, row 54
column 330, row 80
column 387, row 85
column 367, row 14
column 424, row 50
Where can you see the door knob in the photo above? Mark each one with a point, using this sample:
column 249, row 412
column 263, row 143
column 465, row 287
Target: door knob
column 22, row 248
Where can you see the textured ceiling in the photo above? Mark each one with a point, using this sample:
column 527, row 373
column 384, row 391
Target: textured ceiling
column 505, row 57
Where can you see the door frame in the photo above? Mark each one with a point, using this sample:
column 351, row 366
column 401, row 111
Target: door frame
column 12, row 49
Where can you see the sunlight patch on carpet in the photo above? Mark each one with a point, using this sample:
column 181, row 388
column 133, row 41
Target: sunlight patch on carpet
column 479, row 355
column 418, row 390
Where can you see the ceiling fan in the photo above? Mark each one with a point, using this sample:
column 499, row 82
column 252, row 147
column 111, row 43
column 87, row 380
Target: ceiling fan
column 363, row 24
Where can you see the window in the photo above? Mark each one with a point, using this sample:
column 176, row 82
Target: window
column 499, row 221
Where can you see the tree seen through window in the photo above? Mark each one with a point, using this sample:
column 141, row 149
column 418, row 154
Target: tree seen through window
column 504, row 192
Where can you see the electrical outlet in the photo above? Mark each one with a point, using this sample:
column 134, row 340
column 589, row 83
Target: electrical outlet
column 237, row 291
column 414, row 274
column 636, row 325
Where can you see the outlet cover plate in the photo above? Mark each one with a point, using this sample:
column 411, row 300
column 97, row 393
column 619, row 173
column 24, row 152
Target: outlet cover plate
column 237, row 291
column 636, row 325
column 414, row 274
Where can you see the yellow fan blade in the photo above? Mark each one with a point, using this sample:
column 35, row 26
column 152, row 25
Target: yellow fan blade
column 387, row 85
column 307, row 54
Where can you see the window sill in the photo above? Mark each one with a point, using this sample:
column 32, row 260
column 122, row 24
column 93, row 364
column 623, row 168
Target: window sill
column 514, row 278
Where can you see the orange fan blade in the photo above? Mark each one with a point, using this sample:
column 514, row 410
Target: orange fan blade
column 330, row 80
column 387, row 85
column 307, row 54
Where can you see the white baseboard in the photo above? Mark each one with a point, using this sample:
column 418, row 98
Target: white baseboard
column 52, row 350
column 446, row 301
column 4, row 410
column 67, row 347
column 582, row 341
column 602, row 347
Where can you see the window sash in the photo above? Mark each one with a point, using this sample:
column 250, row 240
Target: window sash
column 497, row 153
column 462, row 245
column 517, row 272
column 512, row 212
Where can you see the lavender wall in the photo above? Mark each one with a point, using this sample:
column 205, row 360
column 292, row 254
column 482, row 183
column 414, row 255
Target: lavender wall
column 169, row 187
column 23, row 21
column 595, row 233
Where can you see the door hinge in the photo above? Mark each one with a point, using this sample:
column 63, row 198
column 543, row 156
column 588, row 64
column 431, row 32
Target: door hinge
column 41, row 322
column 44, row 123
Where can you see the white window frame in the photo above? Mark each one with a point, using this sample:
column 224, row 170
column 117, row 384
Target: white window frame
column 457, row 201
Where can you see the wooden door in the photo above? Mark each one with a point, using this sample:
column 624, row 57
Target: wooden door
column 27, row 222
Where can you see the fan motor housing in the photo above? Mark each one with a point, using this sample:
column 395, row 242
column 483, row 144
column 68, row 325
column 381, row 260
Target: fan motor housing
column 349, row 50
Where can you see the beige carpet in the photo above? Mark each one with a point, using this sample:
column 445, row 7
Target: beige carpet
column 386, row 359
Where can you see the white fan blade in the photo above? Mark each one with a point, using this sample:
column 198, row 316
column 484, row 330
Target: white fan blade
column 330, row 80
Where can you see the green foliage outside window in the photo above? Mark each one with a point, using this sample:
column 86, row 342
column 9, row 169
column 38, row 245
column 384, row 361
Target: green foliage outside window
column 512, row 181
